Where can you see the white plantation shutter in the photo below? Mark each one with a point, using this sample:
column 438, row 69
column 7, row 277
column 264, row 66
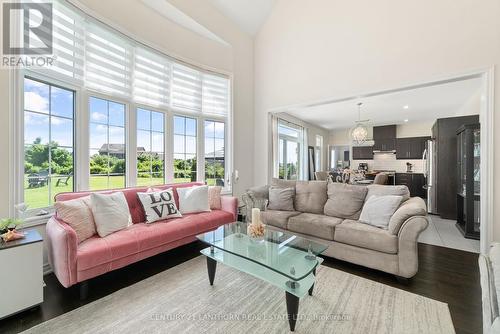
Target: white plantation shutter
column 186, row 88
column 108, row 61
column 215, row 95
column 151, row 78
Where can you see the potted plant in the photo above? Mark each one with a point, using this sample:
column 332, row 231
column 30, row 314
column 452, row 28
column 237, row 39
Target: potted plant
column 7, row 224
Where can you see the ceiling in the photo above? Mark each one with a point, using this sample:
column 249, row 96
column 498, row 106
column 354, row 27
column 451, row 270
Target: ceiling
column 170, row 12
column 249, row 15
column 423, row 105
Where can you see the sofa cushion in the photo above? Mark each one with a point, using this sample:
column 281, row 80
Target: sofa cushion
column 142, row 237
column 415, row 206
column 279, row 183
column 310, row 196
column 378, row 210
column 277, row 218
column 111, row 212
column 96, row 250
column 77, row 213
column 382, row 190
column 320, row 226
column 281, row 199
column 345, row 200
column 354, row 233
column 259, row 192
column 159, row 205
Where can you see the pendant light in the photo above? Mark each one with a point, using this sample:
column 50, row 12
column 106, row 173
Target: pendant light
column 359, row 133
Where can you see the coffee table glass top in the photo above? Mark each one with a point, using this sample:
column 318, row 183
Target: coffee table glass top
column 284, row 253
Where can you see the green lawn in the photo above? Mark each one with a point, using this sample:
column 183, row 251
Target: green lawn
column 39, row 197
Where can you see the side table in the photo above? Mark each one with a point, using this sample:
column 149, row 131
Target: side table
column 21, row 274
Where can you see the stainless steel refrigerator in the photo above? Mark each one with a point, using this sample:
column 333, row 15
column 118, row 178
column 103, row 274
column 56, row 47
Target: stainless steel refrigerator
column 430, row 174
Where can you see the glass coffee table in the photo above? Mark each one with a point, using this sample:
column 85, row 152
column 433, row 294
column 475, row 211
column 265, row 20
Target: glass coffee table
column 281, row 259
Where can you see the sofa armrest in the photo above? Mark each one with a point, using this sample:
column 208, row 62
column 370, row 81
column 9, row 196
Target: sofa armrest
column 230, row 204
column 415, row 206
column 408, row 245
column 62, row 245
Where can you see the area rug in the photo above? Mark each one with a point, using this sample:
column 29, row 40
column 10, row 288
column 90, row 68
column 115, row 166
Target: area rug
column 180, row 300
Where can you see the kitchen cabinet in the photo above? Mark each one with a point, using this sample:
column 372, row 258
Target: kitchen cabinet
column 384, row 132
column 384, row 145
column 414, row 181
column 362, row 153
column 411, row 148
column 444, row 132
column 384, row 137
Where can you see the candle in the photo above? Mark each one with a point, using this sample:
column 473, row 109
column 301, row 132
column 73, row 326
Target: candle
column 256, row 215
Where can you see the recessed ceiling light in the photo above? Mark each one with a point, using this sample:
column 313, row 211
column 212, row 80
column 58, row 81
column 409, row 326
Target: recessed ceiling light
column 406, row 107
column 406, row 120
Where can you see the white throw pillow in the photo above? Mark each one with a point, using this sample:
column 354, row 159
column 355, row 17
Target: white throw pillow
column 159, row 205
column 77, row 214
column 193, row 199
column 378, row 210
column 111, row 212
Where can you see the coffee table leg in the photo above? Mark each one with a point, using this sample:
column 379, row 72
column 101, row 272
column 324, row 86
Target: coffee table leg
column 312, row 286
column 292, row 308
column 211, row 266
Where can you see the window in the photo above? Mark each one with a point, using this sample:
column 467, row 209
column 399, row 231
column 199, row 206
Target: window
column 214, row 153
column 116, row 73
column 184, row 149
column 48, row 142
column 107, row 144
column 290, row 138
column 318, row 152
column 150, row 150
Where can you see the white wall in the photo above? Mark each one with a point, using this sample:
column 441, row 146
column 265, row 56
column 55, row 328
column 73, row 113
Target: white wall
column 133, row 17
column 322, row 49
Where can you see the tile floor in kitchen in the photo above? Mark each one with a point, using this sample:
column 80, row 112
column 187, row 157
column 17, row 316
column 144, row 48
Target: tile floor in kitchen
column 443, row 232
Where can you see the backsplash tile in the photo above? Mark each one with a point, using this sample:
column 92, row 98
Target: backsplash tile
column 388, row 161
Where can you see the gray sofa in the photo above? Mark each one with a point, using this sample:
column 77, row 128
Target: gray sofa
column 489, row 267
column 328, row 213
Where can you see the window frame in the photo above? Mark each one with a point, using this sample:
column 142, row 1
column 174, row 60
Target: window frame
column 17, row 183
column 126, row 127
column 23, row 111
column 286, row 138
column 81, row 138
column 226, row 175
column 166, row 133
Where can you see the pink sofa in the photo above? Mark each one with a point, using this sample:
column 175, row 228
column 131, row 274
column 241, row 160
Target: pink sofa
column 73, row 263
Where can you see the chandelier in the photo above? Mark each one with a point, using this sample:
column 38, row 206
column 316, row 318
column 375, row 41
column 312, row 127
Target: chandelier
column 359, row 133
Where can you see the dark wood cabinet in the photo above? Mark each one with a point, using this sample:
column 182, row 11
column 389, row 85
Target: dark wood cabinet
column 384, row 145
column 362, row 153
column 384, row 132
column 444, row 132
column 411, row 148
column 414, row 181
column 384, row 137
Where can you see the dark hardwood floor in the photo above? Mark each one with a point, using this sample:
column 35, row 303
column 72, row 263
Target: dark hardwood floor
column 447, row 275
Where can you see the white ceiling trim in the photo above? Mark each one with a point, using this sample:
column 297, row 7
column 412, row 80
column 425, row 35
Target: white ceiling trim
column 249, row 15
column 172, row 13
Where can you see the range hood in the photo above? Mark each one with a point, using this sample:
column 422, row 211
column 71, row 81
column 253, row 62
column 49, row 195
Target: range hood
column 384, row 152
